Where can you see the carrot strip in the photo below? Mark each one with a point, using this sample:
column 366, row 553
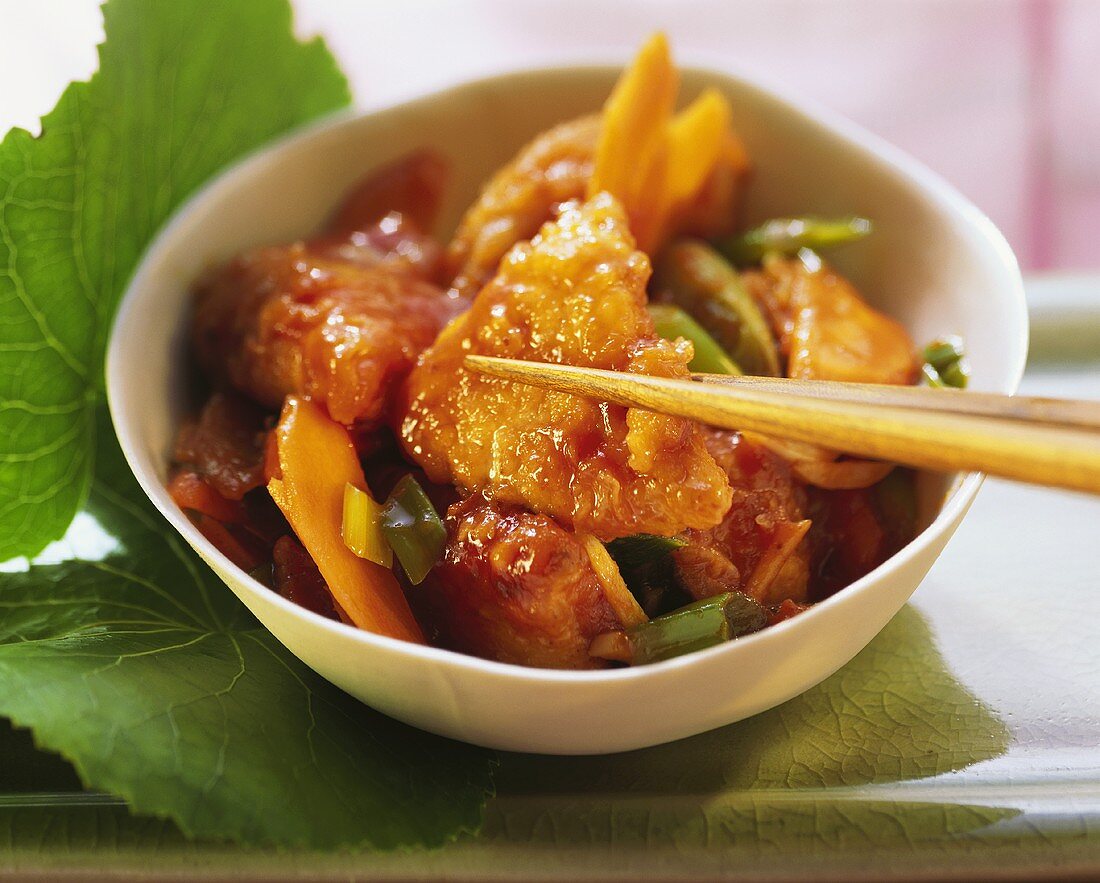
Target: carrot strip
column 657, row 165
column 696, row 141
column 635, row 124
column 317, row 459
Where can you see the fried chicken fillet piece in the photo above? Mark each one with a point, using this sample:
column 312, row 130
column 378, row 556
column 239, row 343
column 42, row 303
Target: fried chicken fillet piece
column 522, row 196
column 825, row 330
column 573, row 295
column 340, row 319
column 558, row 166
column 759, row 547
column 515, row 587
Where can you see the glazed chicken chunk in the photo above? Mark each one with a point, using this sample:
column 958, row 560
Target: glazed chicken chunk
column 759, row 548
column 573, row 295
column 339, row 320
column 826, row 330
column 520, row 198
column 516, row 587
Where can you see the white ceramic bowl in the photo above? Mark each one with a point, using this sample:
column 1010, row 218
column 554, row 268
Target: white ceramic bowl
column 934, row 261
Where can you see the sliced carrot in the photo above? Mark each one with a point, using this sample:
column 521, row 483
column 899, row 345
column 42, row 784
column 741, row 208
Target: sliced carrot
column 635, row 124
column 696, row 141
column 271, row 458
column 316, row 459
column 712, row 210
column 659, row 166
column 649, row 221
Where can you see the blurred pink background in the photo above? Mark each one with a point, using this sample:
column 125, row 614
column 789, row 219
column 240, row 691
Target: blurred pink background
column 1002, row 97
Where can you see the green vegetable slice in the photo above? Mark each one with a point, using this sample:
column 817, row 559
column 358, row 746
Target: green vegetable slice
column 945, row 363
column 647, row 568
column 697, row 626
column 692, row 275
column 362, row 527
column 131, row 659
column 642, row 548
column 672, row 322
column 413, row 529
column 182, row 90
column 787, row 236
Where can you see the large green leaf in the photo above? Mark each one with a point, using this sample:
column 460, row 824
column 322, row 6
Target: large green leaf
column 862, row 765
column 125, row 654
column 183, row 88
column 135, row 663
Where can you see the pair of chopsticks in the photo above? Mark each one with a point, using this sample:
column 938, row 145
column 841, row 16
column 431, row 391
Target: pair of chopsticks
column 1053, row 442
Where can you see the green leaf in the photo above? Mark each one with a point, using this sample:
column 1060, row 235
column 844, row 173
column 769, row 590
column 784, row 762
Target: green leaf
column 136, row 664
column 823, row 771
column 895, row 712
column 183, row 89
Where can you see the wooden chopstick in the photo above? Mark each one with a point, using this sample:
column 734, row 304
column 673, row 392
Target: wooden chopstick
column 1033, row 452
column 1032, row 409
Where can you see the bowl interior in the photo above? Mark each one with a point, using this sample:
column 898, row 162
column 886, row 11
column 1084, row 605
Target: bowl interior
column 934, row 262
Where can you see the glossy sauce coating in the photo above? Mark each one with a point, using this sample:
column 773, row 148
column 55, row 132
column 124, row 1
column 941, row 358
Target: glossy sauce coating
column 296, row 578
column 522, row 196
column 574, row 295
column 766, row 499
column 225, row 445
column 826, row 330
column 515, row 587
column 340, row 320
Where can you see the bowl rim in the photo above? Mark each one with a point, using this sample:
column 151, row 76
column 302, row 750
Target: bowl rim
column 958, row 497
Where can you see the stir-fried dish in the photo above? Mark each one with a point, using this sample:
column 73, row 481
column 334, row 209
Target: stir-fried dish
column 347, row 458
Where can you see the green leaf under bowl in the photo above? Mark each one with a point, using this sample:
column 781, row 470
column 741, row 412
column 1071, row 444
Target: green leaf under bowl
column 131, row 659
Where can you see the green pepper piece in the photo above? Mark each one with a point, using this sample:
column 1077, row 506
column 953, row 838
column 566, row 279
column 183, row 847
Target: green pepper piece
column 694, row 276
column 944, row 363
column 413, row 529
column 649, row 571
column 786, row 236
column 695, row 627
column 642, row 548
column 672, row 322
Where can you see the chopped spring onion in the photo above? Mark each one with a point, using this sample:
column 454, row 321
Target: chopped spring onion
column 413, row 529
column 945, row 363
column 786, row 236
column 672, row 322
column 362, row 527
column 695, row 627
